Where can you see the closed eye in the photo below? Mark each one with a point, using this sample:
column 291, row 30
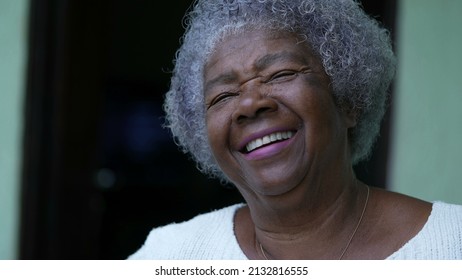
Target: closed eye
column 221, row 98
column 283, row 76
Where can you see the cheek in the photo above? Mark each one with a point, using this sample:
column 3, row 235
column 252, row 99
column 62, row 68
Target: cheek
column 216, row 132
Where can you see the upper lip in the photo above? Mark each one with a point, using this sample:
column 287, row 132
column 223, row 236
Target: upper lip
column 260, row 134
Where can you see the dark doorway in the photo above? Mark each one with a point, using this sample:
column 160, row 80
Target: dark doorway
column 99, row 170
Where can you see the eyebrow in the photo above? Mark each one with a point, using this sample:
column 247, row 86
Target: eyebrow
column 269, row 59
column 261, row 64
column 225, row 78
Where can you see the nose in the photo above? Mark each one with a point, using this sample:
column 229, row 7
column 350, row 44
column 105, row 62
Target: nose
column 254, row 101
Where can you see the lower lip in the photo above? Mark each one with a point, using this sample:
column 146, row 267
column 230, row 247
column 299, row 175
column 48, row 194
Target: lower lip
column 269, row 150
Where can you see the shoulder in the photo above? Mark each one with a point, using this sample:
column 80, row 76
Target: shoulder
column 203, row 237
column 440, row 238
column 410, row 228
column 445, row 221
column 399, row 216
column 391, row 219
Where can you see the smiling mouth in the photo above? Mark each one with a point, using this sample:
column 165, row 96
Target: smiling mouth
column 268, row 139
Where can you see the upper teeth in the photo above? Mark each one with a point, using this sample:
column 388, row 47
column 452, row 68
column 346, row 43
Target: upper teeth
column 257, row 143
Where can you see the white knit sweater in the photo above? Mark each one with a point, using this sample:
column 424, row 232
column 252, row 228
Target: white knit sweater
column 211, row 236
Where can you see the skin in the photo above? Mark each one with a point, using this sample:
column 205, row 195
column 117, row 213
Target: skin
column 303, row 199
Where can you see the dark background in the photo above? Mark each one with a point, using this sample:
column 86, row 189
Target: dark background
column 99, row 170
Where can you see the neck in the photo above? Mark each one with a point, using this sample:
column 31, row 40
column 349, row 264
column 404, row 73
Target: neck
column 302, row 224
column 308, row 203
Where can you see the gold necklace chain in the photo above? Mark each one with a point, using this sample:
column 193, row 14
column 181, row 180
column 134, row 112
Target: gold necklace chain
column 357, row 226
column 351, row 237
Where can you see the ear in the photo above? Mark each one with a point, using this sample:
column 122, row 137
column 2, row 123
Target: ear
column 349, row 117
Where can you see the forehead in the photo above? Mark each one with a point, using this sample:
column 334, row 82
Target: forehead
column 254, row 50
column 253, row 44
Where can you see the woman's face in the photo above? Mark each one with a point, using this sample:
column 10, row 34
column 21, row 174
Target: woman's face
column 271, row 121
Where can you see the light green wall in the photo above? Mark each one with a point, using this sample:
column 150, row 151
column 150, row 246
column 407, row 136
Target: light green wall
column 426, row 159
column 13, row 16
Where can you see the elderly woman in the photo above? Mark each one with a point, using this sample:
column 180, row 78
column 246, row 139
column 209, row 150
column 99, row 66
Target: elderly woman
column 281, row 98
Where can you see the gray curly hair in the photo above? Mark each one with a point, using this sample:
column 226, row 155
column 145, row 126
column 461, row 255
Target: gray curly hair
column 355, row 51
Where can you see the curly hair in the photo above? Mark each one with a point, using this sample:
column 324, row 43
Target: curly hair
column 355, row 50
